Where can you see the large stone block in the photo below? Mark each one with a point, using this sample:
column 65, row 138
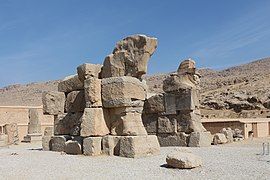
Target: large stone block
column 122, row 91
column 167, row 124
column 170, row 104
column 70, row 83
column 53, row 102
column 139, row 146
column 111, row 145
column 93, row 123
column 130, row 57
column 92, row 89
column 92, row 146
column 200, row 139
column 178, row 139
column 58, row 143
column 67, row 124
column 127, row 121
column 154, row 104
column 74, row 146
column 75, row 101
column 219, row 138
column 49, row 131
column 150, row 122
column 87, row 70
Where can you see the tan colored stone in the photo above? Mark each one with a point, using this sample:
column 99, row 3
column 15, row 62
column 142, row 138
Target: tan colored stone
column 92, row 146
column 92, row 89
column 130, row 57
column 127, row 121
column 87, row 70
column 46, row 143
column 167, row 125
column 183, row 160
column 75, row 101
column 93, row 123
column 122, row 91
column 200, row 139
column 111, row 145
column 34, row 125
column 53, row 102
column 177, row 139
column 139, row 146
column 70, row 83
column 12, row 131
column 220, row 138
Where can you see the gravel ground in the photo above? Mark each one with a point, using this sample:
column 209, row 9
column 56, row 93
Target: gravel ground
column 240, row 160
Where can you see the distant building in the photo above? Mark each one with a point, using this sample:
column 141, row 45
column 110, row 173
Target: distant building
column 257, row 127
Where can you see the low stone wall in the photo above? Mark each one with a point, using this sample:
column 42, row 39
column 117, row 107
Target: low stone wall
column 20, row 115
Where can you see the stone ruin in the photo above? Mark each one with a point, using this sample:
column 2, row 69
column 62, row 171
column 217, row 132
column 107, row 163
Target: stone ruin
column 9, row 134
column 34, row 127
column 98, row 111
column 174, row 116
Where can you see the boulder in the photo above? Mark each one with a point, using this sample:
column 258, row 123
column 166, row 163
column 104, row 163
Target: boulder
column 93, row 123
column 75, row 102
column 122, row 91
column 200, row 139
column 130, row 57
column 220, row 138
column 154, row 104
column 228, row 134
column 87, row 70
column 53, row 102
column 92, row 146
column 183, row 160
column 70, row 83
column 68, row 124
column 74, row 146
column 58, row 143
column 139, row 146
column 111, row 145
column 92, row 89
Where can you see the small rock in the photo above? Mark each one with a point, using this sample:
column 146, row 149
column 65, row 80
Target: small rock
column 183, row 160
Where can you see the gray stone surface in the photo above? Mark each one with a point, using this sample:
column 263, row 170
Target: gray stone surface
column 200, row 139
column 92, row 146
column 75, row 102
column 74, row 146
column 154, row 104
column 177, row 139
column 111, row 145
column 58, row 143
column 34, row 125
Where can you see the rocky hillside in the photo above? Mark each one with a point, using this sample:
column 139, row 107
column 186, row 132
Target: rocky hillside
column 237, row 89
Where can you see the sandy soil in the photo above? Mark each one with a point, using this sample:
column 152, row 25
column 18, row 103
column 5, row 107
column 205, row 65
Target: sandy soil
column 240, row 160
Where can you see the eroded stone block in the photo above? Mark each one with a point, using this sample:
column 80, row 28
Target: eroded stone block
column 75, row 102
column 74, row 146
column 58, row 143
column 139, row 146
column 70, row 83
column 111, row 145
column 53, row 102
column 92, row 89
column 87, row 70
column 92, row 146
column 200, row 139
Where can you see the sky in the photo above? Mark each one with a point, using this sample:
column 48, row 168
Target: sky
column 47, row 40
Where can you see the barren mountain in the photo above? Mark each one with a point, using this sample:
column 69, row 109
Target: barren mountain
column 242, row 90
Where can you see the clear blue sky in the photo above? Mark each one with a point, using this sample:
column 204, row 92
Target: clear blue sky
column 47, row 39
